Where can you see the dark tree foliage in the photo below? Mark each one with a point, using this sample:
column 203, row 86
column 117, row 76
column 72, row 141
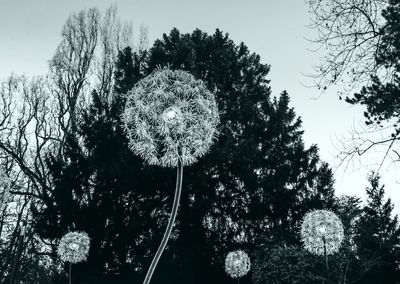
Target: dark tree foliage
column 282, row 263
column 255, row 184
column 377, row 239
column 258, row 179
column 103, row 189
column 349, row 268
column 287, row 265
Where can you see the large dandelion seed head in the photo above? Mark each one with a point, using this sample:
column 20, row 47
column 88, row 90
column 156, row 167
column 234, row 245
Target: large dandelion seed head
column 74, row 247
column 319, row 227
column 237, row 264
column 169, row 117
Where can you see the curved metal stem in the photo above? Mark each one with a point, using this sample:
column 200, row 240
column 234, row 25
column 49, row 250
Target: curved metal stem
column 326, row 261
column 174, row 211
column 70, row 268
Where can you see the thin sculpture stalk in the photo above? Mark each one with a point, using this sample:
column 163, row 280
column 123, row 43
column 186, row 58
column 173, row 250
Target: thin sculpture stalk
column 326, row 261
column 174, row 211
column 69, row 276
column 345, row 273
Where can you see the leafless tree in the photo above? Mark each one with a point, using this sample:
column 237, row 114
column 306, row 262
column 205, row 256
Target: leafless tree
column 85, row 60
column 114, row 36
column 27, row 130
column 348, row 38
column 142, row 40
column 37, row 114
column 350, row 35
column 375, row 143
column 27, row 133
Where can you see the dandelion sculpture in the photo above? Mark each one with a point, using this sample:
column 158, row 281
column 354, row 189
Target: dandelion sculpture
column 170, row 120
column 322, row 233
column 73, row 248
column 237, row 264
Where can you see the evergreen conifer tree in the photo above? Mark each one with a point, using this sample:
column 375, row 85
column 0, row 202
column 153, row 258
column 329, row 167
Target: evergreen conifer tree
column 255, row 184
column 377, row 238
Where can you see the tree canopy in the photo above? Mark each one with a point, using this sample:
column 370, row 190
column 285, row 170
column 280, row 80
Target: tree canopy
column 64, row 148
column 361, row 42
column 377, row 238
column 255, row 184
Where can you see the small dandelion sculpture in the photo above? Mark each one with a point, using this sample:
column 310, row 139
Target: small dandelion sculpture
column 73, row 248
column 170, row 120
column 322, row 233
column 237, row 264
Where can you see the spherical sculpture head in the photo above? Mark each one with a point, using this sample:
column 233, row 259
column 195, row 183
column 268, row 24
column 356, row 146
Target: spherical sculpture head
column 322, row 229
column 237, row 264
column 74, row 247
column 169, row 117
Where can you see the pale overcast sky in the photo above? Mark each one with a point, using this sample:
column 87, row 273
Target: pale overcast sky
column 276, row 30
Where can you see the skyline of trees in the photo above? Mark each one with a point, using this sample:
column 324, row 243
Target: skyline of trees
column 75, row 171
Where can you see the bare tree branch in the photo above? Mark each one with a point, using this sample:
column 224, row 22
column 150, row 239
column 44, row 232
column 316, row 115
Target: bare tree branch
column 349, row 32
